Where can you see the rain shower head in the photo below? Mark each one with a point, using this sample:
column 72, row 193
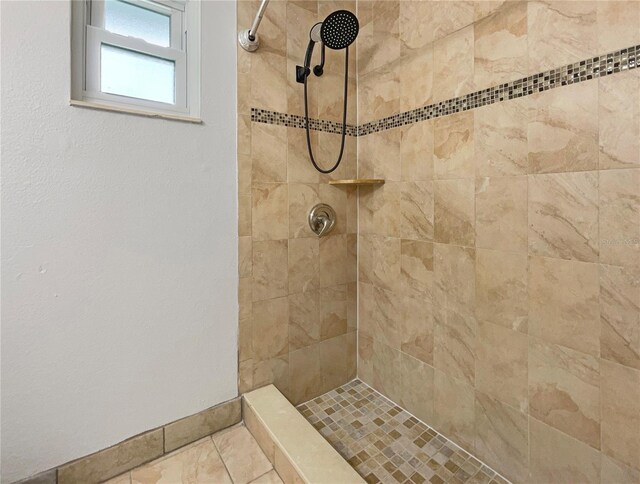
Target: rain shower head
column 339, row 30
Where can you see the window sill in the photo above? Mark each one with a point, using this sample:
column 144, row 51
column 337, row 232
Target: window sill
column 136, row 112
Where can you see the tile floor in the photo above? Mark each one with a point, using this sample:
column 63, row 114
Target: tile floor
column 231, row 456
column 384, row 443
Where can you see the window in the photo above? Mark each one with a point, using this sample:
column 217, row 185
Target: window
column 138, row 54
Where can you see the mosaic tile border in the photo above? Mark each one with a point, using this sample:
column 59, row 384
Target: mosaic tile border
column 386, row 444
column 585, row 70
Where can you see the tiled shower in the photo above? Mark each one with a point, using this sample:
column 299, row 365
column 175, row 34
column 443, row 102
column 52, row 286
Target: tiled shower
column 491, row 286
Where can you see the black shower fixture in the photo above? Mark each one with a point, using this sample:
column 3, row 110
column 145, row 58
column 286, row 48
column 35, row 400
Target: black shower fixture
column 338, row 31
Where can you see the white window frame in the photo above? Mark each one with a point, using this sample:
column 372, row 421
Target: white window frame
column 88, row 34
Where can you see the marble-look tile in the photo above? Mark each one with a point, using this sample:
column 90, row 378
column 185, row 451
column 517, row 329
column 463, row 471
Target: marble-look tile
column 620, row 218
column 454, row 279
column 416, row 328
column 501, row 288
column 501, row 46
column 337, row 360
column 269, row 80
column 379, row 210
column 564, row 390
column 502, row 365
column 304, row 268
column 564, row 303
column 619, row 118
column 620, row 386
column 333, row 260
column 455, row 345
column 618, row 25
column 270, row 328
column 379, row 155
column 245, row 376
column 380, row 43
column 241, row 454
column 333, row 311
column 304, row 319
column 416, row 79
column 416, row 151
column 454, row 211
column 501, row 138
column 121, row 479
column 416, row 207
column 563, row 127
column 270, row 211
column 270, row 269
column 244, row 257
column 453, row 410
column 502, row 437
column 417, row 392
column 270, row 477
column 387, row 371
column 416, row 261
column 268, row 153
column 501, row 213
column 337, row 198
column 620, row 316
column 614, row 471
column 198, row 462
column 365, row 357
column 557, row 457
column 380, row 313
column 453, row 65
column 245, row 296
column 378, row 94
column 244, row 215
column 380, row 261
column 274, row 370
column 302, row 197
column 560, row 32
column 453, row 148
column 245, row 339
column 194, row 427
column 113, row 461
column 563, row 215
column 352, row 306
column 305, row 379
column 299, row 167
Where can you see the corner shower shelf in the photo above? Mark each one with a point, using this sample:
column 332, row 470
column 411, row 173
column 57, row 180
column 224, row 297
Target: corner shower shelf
column 358, row 182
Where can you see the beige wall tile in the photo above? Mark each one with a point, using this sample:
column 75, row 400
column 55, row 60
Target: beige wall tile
column 564, row 390
column 333, row 260
column 268, row 153
column 620, row 218
column 270, row 328
column 245, row 339
column 621, row 413
column 304, row 319
column 337, row 198
column 501, row 138
column 501, row 288
column 378, row 94
column 454, row 211
column 379, row 209
column 333, row 311
column 198, row 461
column 417, row 267
column 416, row 151
column 416, row 79
column 380, row 42
column 502, row 365
column 619, row 118
column 244, row 257
column 416, row 206
column 416, row 328
column 618, row 25
column 270, row 211
column 305, row 379
column 501, row 46
column 380, row 262
column 337, row 360
column 387, row 371
column 455, row 345
column 563, row 215
column 453, row 146
column 274, row 370
column 614, row 471
column 241, row 454
column 380, row 153
column 244, row 215
column 620, row 316
column 270, row 269
column 299, row 167
column 269, row 79
column 556, row 457
column 560, row 32
column 115, row 460
column 380, row 314
column 304, row 265
column 454, row 410
column 245, row 296
column 563, row 127
column 501, row 213
column 453, row 65
column 563, row 303
column 502, row 437
column 302, row 198
column 365, row 357
column 417, row 392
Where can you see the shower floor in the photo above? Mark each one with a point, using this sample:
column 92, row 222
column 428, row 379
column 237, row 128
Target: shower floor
column 385, row 443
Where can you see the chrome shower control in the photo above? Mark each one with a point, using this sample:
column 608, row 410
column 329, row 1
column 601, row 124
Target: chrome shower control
column 322, row 219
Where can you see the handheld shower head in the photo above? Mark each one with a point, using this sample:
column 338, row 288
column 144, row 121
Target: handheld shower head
column 339, row 30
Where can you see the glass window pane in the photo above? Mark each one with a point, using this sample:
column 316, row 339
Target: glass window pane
column 133, row 74
column 131, row 20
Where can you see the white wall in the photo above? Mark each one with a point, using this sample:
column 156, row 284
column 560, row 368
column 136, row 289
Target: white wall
column 119, row 250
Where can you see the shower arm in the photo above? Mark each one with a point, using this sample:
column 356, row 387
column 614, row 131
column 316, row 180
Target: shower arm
column 248, row 39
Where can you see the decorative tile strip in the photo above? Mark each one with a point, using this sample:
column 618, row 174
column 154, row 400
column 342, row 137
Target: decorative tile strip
column 592, row 68
column 297, row 121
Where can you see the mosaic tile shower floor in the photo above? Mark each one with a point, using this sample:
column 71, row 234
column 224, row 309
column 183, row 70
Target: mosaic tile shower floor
column 384, row 443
